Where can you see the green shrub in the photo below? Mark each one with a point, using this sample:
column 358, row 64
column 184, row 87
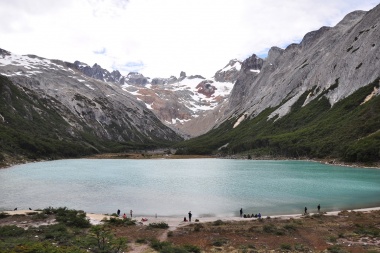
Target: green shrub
column 57, row 232
column 336, row 249
column 39, row 216
column 198, row 227
column 158, row 225
column 218, row 223
column 157, row 245
column 44, row 247
column 102, row 238
column 11, row 231
column 370, row 230
column 70, row 217
column 290, row 227
column 299, row 247
column 219, row 242
column 141, row 241
column 269, row 228
column 192, row 248
column 119, row 222
column 3, row 215
column 286, row 246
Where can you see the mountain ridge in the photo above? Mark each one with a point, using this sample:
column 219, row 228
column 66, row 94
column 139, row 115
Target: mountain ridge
column 331, row 72
column 262, row 106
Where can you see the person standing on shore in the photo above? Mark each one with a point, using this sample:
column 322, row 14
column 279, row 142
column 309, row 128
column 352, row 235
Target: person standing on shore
column 241, row 212
column 118, row 212
column 130, row 212
column 305, row 210
column 190, row 216
column 319, row 207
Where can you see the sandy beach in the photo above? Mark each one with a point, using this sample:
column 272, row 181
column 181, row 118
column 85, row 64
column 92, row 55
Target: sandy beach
column 175, row 222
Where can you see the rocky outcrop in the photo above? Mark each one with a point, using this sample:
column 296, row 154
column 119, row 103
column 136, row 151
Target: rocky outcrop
column 97, row 72
column 163, row 81
column 229, row 73
column 135, row 78
column 206, row 88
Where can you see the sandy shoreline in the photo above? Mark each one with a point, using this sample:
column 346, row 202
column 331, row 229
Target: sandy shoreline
column 175, row 222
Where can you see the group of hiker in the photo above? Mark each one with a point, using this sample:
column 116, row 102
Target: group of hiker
column 318, row 207
column 249, row 215
column 124, row 215
column 241, row 214
column 259, row 215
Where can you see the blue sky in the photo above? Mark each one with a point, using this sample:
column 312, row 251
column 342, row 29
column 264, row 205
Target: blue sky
column 160, row 38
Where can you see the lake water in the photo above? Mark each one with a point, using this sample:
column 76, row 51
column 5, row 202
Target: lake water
column 207, row 187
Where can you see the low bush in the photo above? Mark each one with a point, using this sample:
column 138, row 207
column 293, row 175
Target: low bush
column 198, row 227
column 39, row 216
column 290, row 227
column 3, row 215
column 336, row 249
column 219, row 242
column 11, row 231
column 120, row 222
column 269, row 228
column 218, row 223
column 286, row 246
column 141, row 241
column 70, row 217
column 158, row 225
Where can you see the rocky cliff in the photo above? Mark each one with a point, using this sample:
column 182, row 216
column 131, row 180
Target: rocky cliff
column 335, row 61
column 316, row 99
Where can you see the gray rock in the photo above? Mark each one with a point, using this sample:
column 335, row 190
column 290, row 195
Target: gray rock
column 347, row 53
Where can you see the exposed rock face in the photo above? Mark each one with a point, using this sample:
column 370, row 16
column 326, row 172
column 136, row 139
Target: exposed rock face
column 206, row 88
column 99, row 73
column 135, row 78
column 103, row 108
column 334, row 61
column 229, row 73
column 196, row 76
column 163, row 81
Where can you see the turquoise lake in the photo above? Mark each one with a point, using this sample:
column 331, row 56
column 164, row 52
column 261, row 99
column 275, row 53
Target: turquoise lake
column 207, row 187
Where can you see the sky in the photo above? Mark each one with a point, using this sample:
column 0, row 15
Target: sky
column 161, row 38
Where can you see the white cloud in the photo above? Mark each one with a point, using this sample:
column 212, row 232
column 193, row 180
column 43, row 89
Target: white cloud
column 160, row 38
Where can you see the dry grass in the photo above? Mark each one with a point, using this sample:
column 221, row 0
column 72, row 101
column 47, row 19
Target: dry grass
column 347, row 232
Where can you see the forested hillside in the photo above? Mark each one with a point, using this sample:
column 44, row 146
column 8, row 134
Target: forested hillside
column 32, row 128
column 348, row 131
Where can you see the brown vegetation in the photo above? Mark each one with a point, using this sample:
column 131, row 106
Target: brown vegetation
column 346, row 232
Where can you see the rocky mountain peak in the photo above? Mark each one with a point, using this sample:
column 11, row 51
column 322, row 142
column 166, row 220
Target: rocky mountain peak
column 3, row 52
column 252, row 63
column 135, row 78
column 351, row 18
column 229, row 73
column 312, row 37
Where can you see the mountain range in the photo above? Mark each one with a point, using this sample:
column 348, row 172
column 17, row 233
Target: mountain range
column 315, row 99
